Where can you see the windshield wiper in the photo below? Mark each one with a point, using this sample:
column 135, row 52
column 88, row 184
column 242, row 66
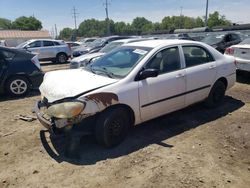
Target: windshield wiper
column 103, row 70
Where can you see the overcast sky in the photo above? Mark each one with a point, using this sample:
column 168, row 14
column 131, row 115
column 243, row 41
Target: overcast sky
column 59, row 12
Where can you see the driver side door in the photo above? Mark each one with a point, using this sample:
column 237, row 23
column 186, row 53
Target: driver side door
column 166, row 92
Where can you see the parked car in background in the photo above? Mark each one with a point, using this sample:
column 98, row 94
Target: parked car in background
column 222, row 41
column 48, row 50
column 241, row 52
column 132, row 84
column 83, row 60
column 86, row 41
column 19, row 71
column 73, row 45
column 180, row 36
column 96, row 45
column 3, row 43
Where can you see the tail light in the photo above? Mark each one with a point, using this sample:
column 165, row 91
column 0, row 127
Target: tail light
column 36, row 61
column 229, row 51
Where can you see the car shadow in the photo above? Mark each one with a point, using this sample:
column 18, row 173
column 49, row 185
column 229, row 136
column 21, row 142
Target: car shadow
column 152, row 132
column 32, row 93
column 243, row 77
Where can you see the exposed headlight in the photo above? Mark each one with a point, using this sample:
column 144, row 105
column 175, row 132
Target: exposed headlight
column 66, row 109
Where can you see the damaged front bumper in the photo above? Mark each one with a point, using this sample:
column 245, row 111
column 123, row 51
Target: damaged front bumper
column 52, row 124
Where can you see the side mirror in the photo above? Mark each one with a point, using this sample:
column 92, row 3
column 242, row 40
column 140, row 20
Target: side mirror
column 147, row 73
column 27, row 46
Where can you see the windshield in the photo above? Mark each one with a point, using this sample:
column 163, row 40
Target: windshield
column 22, row 44
column 212, row 39
column 111, row 46
column 97, row 42
column 246, row 41
column 119, row 62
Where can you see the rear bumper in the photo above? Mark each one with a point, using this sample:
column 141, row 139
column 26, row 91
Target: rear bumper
column 242, row 64
column 36, row 79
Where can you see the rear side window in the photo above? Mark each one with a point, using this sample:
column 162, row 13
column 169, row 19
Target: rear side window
column 196, row 55
column 6, row 55
column 48, row 43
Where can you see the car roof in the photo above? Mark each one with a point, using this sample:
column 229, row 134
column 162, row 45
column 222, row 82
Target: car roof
column 156, row 43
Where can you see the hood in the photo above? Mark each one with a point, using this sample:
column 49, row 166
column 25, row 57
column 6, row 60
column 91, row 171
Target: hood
column 82, row 48
column 70, row 83
column 86, row 56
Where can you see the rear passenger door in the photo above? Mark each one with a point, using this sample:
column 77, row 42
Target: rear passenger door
column 47, row 50
column 200, row 73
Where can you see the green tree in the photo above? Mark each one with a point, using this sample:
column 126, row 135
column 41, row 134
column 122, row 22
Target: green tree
column 92, row 27
column 5, row 23
column 215, row 19
column 66, row 33
column 141, row 24
column 27, row 23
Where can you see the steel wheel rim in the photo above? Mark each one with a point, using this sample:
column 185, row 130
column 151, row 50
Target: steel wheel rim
column 18, row 87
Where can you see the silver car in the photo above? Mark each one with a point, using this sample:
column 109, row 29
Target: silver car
column 48, row 49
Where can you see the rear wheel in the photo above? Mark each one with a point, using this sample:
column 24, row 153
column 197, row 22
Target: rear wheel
column 61, row 58
column 216, row 94
column 112, row 127
column 17, row 86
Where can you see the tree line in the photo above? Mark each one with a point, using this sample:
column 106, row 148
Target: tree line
column 140, row 25
column 21, row 23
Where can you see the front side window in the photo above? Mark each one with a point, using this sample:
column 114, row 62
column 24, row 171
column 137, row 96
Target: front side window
column 48, row 43
column 35, row 44
column 167, row 60
column 119, row 62
column 195, row 55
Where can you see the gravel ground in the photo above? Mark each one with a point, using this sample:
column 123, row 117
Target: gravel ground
column 194, row 147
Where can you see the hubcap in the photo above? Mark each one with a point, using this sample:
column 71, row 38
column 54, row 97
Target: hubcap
column 18, row 87
column 115, row 128
column 62, row 58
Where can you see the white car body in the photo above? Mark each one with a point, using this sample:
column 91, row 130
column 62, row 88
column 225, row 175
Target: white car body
column 146, row 98
column 241, row 52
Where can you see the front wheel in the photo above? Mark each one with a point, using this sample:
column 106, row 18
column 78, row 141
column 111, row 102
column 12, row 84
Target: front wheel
column 216, row 94
column 112, row 127
column 17, row 86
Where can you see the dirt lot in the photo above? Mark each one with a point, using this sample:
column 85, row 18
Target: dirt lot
column 195, row 147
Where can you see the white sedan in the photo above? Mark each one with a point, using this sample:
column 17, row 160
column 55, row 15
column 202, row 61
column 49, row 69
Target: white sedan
column 241, row 52
column 133, row 84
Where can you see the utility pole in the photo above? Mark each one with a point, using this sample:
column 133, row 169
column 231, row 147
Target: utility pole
column 181, row 18
column 107, row 17
column 74, row 13
column 55, row 32
column 206, row 14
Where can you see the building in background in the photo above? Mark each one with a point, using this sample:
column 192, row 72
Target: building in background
column 15, row 37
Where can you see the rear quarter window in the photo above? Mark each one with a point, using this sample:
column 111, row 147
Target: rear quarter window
column 196, row 55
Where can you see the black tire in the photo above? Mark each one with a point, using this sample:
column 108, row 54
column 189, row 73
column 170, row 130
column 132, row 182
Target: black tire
column 216, row 94
column 112, row 127
column 17, row 86
column 61, row 58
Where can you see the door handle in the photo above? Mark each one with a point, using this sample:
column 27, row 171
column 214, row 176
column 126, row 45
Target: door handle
column 180, row 75
column 212, row 67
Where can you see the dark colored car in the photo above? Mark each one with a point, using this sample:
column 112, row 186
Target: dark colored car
column 180, row 36
column 19, row 71
column 222, row 41
column 96, row 45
